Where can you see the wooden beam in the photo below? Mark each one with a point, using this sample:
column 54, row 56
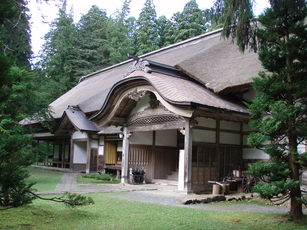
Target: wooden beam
column 169, row 125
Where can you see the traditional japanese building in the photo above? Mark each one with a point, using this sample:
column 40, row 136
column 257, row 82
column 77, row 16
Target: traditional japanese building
column 177, row 113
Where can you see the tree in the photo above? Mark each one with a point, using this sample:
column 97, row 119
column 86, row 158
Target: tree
column 215, row 16
column 15, row 35
column 279, row 110
column 190, row 22
column 166, row 31
column 17, row 100
column 147, row 37
column 119, row 42
column 93, row 49
column 59, row 57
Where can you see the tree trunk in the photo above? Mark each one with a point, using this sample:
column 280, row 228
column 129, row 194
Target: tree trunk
column 296, row 211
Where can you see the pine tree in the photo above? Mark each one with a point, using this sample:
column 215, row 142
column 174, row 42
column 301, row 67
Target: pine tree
column 147, row 36
column 190, row 22
column 58, row 61
column 215, row 16
column 166, row 31
column 119, row 42
column 17, row 100
column 93, row 49
column 15, row 36
column 280, row 107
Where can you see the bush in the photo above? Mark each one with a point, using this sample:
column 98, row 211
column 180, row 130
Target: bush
column 102, row 177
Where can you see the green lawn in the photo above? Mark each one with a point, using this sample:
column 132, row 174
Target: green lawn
column 46, row 180
column 114, row 213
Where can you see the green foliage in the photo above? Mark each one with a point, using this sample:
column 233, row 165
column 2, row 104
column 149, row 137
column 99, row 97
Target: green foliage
column 93, row 50
column 280, row 107
column 147, row 35
column 73, row 200
column 100, row 178
column 239, row 24
column 15, row 31
column 166, row 31
column 57, row 66
column 190, row 22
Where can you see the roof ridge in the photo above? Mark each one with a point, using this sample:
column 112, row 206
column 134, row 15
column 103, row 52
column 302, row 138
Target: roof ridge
column 153, row 52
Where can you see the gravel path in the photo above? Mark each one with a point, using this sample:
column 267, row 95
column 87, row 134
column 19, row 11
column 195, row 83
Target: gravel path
column 156, row 194
column 175, row 199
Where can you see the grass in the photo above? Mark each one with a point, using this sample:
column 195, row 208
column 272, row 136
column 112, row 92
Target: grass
column 113, row 213
column 97, row 179
column 45, row 180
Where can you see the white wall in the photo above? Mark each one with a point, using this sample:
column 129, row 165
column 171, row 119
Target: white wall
column 206, row 122
column 79, row 135
column 141, row 138
column 94, row 143
column 80, row 152
column 230, row 125
column 101, row 145
column 199, row 135
column 166, row 138
column 229, row 138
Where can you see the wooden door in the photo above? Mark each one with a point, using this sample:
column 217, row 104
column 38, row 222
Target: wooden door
column 94, row 160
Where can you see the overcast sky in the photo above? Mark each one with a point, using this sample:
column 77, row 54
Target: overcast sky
column 43, row 13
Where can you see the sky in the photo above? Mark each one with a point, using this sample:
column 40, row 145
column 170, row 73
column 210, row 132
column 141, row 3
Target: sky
column 43, row 13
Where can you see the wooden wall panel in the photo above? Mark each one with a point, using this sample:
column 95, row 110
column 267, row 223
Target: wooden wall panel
column 166, row 161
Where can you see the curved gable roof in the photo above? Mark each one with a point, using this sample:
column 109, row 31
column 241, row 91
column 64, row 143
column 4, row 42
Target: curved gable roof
column 202, row 58
column 174, row 90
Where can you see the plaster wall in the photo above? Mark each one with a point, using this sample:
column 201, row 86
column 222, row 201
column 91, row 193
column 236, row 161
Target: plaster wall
column 230, row 125
column 94, row 144
column 80, row 152
column 166, row 138
column 206, row 122
column 229, row 138
column 141, row 138
column 79, row 135
column 207, row 136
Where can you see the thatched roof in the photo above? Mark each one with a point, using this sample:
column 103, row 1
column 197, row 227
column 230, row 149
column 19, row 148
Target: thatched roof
column 214, row 62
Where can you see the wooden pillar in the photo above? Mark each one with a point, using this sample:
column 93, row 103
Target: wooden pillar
column 88, row 155
column 218, row 154
column 71, row 153
column 241, row 146
column 47, row 153
column 37, row 151
column 188, row 157
column 63, row 153
column 125, row 156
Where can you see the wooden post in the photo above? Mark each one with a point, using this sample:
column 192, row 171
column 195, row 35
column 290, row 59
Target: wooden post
column 37, row 151
column 125, row 156
column 153, row 154
column 47, row 153
column 188, row 157
column 71, row 154
column 88, row 155
column 218, row 154
column 63, row 153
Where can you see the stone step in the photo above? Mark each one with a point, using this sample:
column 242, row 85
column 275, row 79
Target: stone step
column 173, row 176
column 165, row 182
